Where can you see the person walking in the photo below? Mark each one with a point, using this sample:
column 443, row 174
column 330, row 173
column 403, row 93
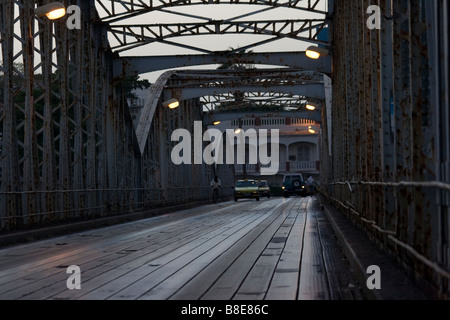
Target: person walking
column 310, row 185
column 215, row 185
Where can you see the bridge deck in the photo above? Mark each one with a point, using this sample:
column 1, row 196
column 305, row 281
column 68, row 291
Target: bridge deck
column 272, row 249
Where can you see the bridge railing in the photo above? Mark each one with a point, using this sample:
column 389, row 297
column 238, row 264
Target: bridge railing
column 386, row 163
column 113, row 201
column 283, row 167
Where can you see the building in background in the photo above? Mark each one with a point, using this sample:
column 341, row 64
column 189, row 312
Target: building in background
column 299, row 145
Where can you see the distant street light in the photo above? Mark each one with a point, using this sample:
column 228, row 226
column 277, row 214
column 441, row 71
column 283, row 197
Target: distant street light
column 312, row 106
column 239, row 129
column 53, row 11
column 312, row 129
column 316, row 52
column 172, row 104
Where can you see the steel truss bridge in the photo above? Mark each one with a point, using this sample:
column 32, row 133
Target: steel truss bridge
column 69, row 149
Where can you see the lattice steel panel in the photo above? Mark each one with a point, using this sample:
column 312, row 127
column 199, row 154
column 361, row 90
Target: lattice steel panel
column 387, row 134
column 127, row 34
column 68, row 147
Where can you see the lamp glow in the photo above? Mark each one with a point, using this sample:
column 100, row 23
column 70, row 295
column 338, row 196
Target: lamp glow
column 238, row 130
column 311, row 130
column 316, row 52
column 216, row 123
column 312, row 54
column 310, row 107
column 56, row 14
column 172, row 104
column 53, row 11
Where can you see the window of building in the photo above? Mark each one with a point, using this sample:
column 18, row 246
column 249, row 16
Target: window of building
column 303, row 153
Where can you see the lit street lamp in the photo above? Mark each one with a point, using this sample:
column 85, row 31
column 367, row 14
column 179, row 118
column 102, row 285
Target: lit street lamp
column 316, row 52
column 313, row 129
column 172, row 104
column 312, row 106
column 53, row 11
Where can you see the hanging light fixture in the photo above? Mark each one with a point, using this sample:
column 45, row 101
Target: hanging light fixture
column 53, row 11
column 316, row 52
column 312, row 106
column 171, row 104
column 313, row 129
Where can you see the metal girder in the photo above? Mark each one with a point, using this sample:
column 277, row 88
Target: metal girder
column 187, row 85
column 267, row 100
column 68, row 147
column 130, row 35
column 134, row 35
column 148, row 112
column 314, row 91
column 193, row 77
column 390, row 124
column 126, row 66
column 242, row 76
column 225, row 116
column 191, row 84
column 124, row 9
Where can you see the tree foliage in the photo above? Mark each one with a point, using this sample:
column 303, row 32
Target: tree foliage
column 131, row 83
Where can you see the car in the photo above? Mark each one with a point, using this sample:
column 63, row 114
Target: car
column 247, row 188
column 264, row 188
column 293, row 184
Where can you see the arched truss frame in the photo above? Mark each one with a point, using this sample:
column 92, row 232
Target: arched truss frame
column 271, row 83
column 131, row 35
column 288, row 89
column 117, row 10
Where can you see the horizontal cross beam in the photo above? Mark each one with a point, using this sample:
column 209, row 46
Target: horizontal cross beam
column 127, row 66
column 313, row 91
column 226, row 116
column 116, row 10
column 132, row 36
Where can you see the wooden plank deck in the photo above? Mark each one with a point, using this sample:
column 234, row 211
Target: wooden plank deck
column 275, row 249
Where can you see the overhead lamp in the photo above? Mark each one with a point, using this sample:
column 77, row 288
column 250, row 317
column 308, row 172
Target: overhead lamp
column 53, row 11
column 239, row 129
column 311, row 106
column 312, row 129
column 316, row 52
column 171, row 104
column 216, row 123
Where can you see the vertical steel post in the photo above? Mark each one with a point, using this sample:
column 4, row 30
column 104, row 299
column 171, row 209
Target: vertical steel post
column 388, row 112
column 30, row 162
column 10, row 181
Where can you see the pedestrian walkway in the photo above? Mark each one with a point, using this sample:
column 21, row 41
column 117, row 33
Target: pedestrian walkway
column 362, row 253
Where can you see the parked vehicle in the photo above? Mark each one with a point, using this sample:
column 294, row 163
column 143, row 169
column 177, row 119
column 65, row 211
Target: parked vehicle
column 246, row 189
column 264, row 188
